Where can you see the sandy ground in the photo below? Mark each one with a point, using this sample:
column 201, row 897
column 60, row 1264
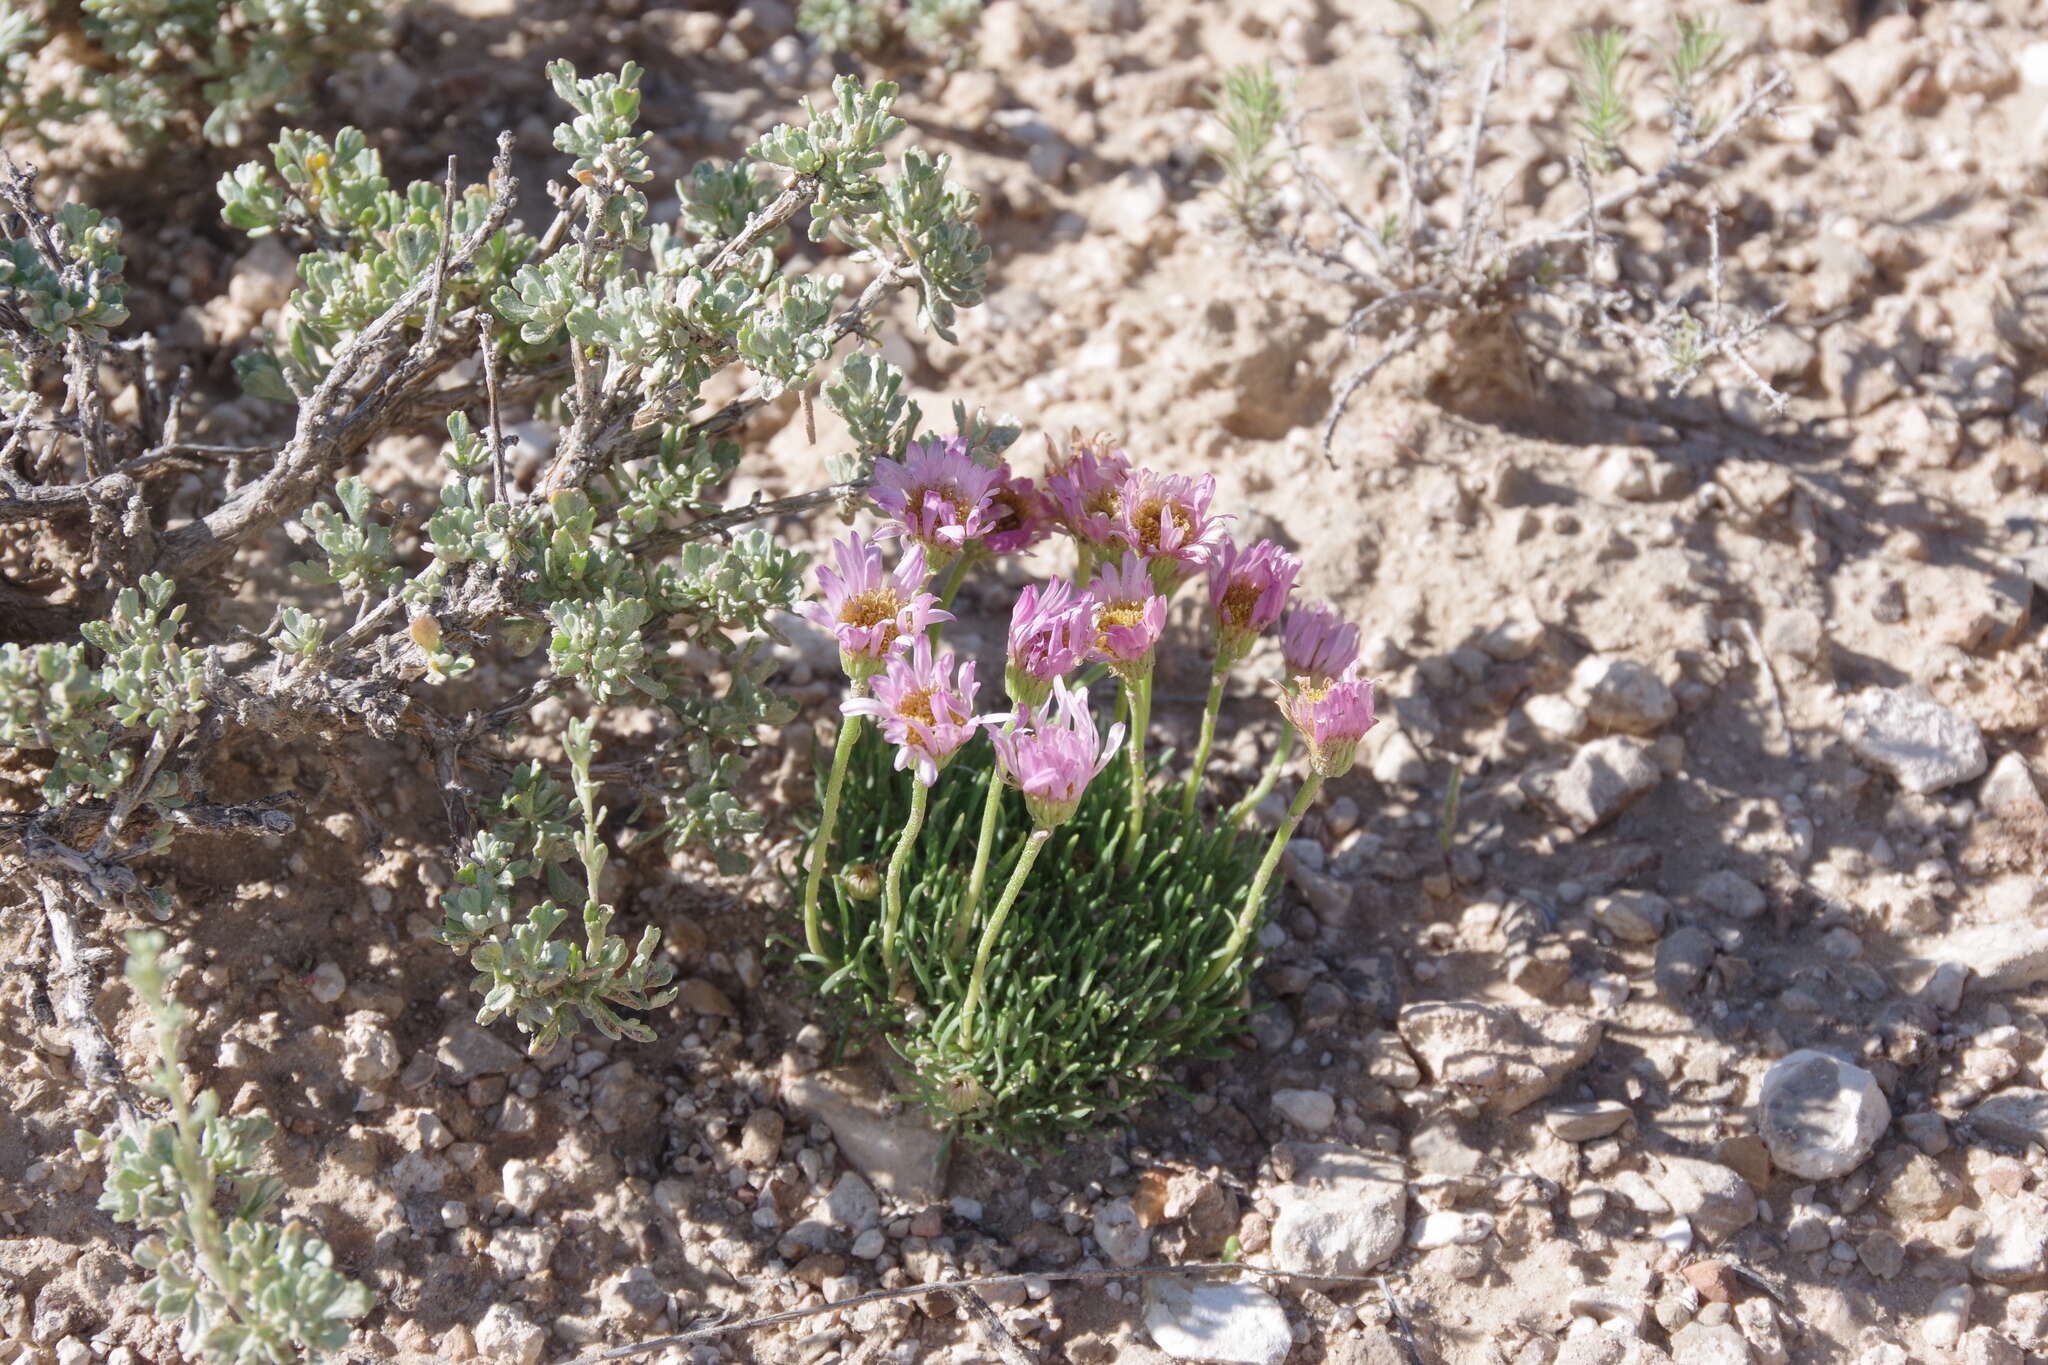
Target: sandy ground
column 1545, row 1046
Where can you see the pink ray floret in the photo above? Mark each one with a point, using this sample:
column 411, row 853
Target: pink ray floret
column 1330, row 718
column 1020, row 514
column 1165, row 518
column 1053, row 754
column 922, row 709
column 1248, row 589
column 1086, row 489
column 1130, row 616
column 1318, row 644
column 872, row 612
column 937, row 496
column 1052, row 631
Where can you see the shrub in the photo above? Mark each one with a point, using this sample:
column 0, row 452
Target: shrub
column 1438, row 259
column 890, row 28
column 1038, row 959
column 173, row 68
column 245, row 1290
column 616, row 577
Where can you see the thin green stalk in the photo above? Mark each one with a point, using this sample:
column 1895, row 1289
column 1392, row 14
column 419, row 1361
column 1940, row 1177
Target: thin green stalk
column 849, row 729
column 1035, row 842
column 1249, row 916
column 892, row 885
column 1138, row 701
column 1267, row 781
column 1202, row 745
column 955, row 576
column 963, row 919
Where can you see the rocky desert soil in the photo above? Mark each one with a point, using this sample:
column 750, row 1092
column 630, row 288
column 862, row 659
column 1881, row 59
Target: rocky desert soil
column 1713, row 1033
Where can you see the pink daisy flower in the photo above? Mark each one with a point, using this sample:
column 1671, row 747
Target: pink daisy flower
column 870, row 611
column 1053, row 756
column 1318, row 644
column 937, row 496
column 1085, row 487
column 921, row 709
column 1247, row 590
column 1331, row 717
column 1052, row 630
column 1165, row 519
column 1021, row 518
column 1130, row 616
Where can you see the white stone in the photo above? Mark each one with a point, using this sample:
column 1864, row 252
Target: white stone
column 1312, row 1111
column 504, row 1335
column 1622, row 694
column 1121, row 1236
column 1599, row 782
column 2034, row 64
column 1448, row 1227
column 1588, row 1121
column 327, row 983
column 900, row 1154
column 469, row 1051
column 1216, row 1320
column 2013, row 1247
column 1819, row 1115
column 852, row 1203
column 2017, row 1116
column 2009, row 792
column 526, row 1184
column 1503, row 1057
column 1632, row 916
column 1731, row 893
column 1921, row 743
column 520, row 1252
column 1947, row 1316
column 1557, row 717
column 1345, row 1212
column 369, row 1054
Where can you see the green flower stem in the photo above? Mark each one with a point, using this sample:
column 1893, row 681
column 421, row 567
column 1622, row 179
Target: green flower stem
column 892, row 885
column 949, row 588
column 1202, row 745
column 849, row 730
column 1138, row 701
column 1249, row 916
column 1267, row 781
column 1032, row 844
column 963, row 919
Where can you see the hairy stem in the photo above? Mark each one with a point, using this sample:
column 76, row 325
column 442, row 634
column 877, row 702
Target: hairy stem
column 1203, row 744
column 963, row 920
column 1267, row 781
column 1138, row 701
column 849, row 729
column 1032, row 844
column 893, row 884
column 1249, row 915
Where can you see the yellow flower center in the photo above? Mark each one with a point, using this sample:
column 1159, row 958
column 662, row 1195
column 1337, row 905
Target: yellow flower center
column 1116, row 614
column 947, row 494
column 1104, row 502
column 1239, row 601
column 870, row 608
column 1152, row 514
column 917, row 706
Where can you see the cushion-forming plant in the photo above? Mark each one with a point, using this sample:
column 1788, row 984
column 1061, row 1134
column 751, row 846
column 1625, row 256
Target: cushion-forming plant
column 1040, row 923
